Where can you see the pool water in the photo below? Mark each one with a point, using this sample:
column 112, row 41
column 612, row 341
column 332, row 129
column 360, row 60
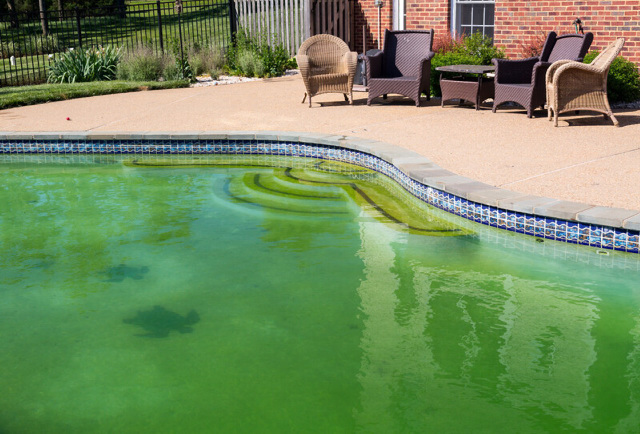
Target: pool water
column 246, row 294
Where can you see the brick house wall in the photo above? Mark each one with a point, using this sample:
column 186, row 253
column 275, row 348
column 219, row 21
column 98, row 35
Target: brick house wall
column 366, row 14
column 420, row 15
column 520, row 21
column 429, row 14
column 517, row 22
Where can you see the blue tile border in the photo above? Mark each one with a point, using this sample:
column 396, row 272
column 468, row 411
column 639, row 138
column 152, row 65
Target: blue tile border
column 331, row 148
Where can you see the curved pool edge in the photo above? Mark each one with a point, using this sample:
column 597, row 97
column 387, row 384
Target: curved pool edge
column 560, row 220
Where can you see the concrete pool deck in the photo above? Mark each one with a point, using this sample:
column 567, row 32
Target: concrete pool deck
column 584, row 160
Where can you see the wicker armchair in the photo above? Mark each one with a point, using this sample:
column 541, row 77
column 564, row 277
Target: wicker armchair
column 579, row 86
column 523, row 81
column 327, row 66
column 403, row 67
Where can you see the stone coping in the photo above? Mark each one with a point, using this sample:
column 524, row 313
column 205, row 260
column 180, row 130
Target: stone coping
column 416, row 166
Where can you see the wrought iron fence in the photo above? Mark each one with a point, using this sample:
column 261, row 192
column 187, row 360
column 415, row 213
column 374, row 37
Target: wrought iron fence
column 30, row 42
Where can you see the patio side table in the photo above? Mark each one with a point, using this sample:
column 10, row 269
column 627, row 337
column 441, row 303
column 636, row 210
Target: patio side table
column 465, row 86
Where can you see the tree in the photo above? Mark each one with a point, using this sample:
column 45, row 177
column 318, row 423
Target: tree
column 11, row 7
column 120, row 7
column 44, row 20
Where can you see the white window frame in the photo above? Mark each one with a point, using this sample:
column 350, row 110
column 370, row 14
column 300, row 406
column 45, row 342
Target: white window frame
column 455, row 15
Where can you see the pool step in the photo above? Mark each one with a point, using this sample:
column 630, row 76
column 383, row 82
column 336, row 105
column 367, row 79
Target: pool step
column 325, row 192
column 263, row 190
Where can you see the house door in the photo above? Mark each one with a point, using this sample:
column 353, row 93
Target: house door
column 399, row 14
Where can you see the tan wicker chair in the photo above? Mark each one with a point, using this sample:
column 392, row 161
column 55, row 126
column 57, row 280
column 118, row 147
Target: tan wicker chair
column 327, row 66
column 579, row 86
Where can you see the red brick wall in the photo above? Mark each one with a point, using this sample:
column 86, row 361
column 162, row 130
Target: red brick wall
column 421, row 15
column 429, row 14
column 366, row 14
column 520, row 21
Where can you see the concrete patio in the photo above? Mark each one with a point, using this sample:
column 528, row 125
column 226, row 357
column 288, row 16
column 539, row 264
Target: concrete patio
column 585, row 159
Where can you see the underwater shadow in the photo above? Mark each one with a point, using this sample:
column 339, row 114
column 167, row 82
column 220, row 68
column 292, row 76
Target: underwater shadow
column 120, row 272
column 159, row 322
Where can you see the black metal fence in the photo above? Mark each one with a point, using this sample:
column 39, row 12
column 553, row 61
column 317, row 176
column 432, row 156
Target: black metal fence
column 30, row 42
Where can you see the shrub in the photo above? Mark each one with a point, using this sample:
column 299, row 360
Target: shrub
column 623, row 81
column 216, row 73
column 242, row 43
column 249, row 64
column 481, row 47
column 177, row 69
column 208, row 60
column 444, row 42
column 475, row 49
column 172, row 71
column 448, row 58
column 141, row 64
column 533, row 46
column 274, row 59
column 85, row 65
column 185, row 69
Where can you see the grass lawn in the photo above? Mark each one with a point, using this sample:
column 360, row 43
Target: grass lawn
column 41, row 93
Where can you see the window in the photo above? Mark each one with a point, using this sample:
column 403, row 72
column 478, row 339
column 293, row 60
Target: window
column 473, row 16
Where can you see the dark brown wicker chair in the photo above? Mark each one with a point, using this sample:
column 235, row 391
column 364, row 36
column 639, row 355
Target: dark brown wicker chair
column 403, row 67
column 523, row 81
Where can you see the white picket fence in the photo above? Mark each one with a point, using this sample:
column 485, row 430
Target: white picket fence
column 280, row 21
column 290, row 22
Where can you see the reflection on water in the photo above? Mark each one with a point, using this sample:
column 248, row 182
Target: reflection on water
column 530, row 353
column 327, row 317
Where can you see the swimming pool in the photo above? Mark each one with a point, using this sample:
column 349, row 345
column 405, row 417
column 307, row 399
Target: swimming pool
column 276, row 294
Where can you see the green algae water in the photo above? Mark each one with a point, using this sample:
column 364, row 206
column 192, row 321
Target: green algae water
column 292, row 295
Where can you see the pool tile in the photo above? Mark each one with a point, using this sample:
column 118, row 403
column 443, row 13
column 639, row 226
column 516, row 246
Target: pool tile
column 194, row 143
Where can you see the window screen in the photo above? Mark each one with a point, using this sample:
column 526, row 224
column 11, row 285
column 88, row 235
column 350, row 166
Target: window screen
column 473, row 16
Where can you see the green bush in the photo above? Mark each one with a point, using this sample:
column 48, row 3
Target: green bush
column 85, row 65
column 274, row 60
column 141, row 64
column 177, row 69
column 449, row 58
column 185, row 68
column 208, row 60
column 172, row 71
column 216, row 73
column 480, row 47
column 468, row 50
column 249, row 64
column 623, row 81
